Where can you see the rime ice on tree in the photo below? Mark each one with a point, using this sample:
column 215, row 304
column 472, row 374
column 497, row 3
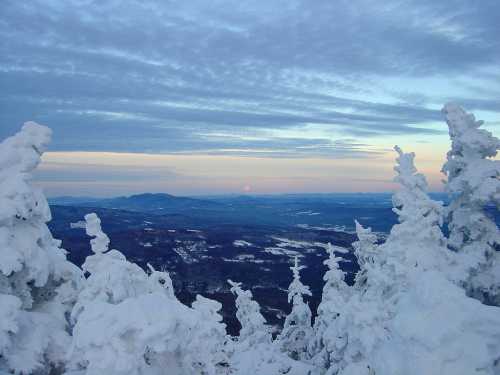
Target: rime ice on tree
column 129, row 322
column 419, row 309
column 365, row 250
column 253, row 325
column 37, row 284
column 297, row 328
column 473, row 182
column 330, row 338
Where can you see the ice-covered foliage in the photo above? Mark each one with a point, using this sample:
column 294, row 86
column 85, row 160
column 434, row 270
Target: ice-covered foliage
column 129, row 322
column 112, row 278
column 330, row 336
column 366, row 251
column 266, row 358
column 361, row 324
column 473, row 182
column 253, row 325
column 37, row 284
column 161, row 281
column 420, row 218
column 212, row 336
column 426, row 323
column 254, row 351
column 473, row 179
column 100, row 242
column 297, row 331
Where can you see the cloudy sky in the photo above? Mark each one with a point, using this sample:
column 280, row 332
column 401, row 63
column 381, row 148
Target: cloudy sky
column 205, row 97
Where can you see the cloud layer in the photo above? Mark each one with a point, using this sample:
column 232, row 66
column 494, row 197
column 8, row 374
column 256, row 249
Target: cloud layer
column 272, row 79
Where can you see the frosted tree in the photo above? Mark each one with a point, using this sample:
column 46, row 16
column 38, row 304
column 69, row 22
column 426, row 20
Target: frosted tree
column 297, row 330
column 100, row 241
column 160, row 280
column 427, row 323
column 330, row 336
column 129, row 322
column 473, row 183
column 213, row 335
column 359, row 326
column 111, row 277
column 384, row 270
column 254, row 350
column 253, row 325
column 365, row 309
column 366, row 251
column 420, row 219
column 37, row 284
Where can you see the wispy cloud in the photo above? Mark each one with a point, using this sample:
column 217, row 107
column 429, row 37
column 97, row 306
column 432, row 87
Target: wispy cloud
column 161, row 77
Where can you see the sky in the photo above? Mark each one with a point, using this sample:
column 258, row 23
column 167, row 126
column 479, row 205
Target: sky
column 215, row 97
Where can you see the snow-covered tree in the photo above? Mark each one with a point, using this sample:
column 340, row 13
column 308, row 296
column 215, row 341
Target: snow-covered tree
column 472, row 183
column 161, row 281
column 330, row 336
column 366, row 308
column 111, row 277
column 365, row 249
column 355, row 326
column 100, row 241
column 37, row 284
column 297, row 329
column 213, row 336
column 129, row 322
column 253, row 325
column 384, row 269
column 428, row 324
column 420, row 218
column 254, row 350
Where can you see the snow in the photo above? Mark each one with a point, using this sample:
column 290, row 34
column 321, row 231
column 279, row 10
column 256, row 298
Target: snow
column 37, row 284
column 307, row 213
column 242, row 243
column 283, row 246
column 417, row 306
column 244, row 258
column 326, row 227
column 190, row 250
column 280, row 251
column 100, row 242
column 473, row 182
column 78, row 225
column 297, row 330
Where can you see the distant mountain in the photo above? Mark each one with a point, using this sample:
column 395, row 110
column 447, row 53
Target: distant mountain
column 147, row 202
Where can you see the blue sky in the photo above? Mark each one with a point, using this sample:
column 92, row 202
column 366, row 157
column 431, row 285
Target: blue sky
column 276, row 88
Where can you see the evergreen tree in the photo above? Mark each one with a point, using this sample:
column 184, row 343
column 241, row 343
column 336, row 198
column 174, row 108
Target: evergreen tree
column 297, row 329
column 364, row 310
column 330, row 335
column 253, row 325
column 37, row 284
column 473, row 183
column 366, row 251
column 212, row 336
column 419, row 330
column 130, row 323
column 111, row 277
column 254, row 350
column 420, row 218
